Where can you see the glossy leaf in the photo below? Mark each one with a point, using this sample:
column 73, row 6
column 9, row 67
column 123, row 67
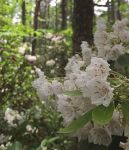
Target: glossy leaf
column 78, row 123
column 125, row 110
column 73, row 93
column 102, row 115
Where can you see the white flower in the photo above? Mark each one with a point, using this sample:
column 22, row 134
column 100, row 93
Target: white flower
column 2, row 147
column 115, row 126
column 13, row 115
column 101, row 25
column 124, row 36
column 74, row 64
column 114, row 52
column 29, row 128
column 30, row 58
column 69, row 85
column 81, row 80
column 100, row 136
column 101, row 38
column 98, row 68
column 22, row 48
column 50, row 63
column 120, row 25
column 3, row 138
column 65, row 108
column 42, row 86
column 72, row 107
column 40, row 73
column 100, row 92
column 86, row 52
column 57, row 87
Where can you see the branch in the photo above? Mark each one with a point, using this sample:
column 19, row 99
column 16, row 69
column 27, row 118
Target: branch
column 100, row 5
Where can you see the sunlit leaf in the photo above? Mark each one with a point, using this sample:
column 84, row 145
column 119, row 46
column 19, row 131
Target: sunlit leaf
column 124, row 60
column 15, row 146
column 103, row 115
column 78, row 123
column 73, row 93
column 125, row 110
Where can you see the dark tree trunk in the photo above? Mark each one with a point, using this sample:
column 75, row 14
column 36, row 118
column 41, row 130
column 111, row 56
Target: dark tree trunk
column 118, row 9
column 44, row 14
column 112, row 11
column 48, row 15
column 56, row 16
column 35, row 25
column 108, row 11
column 23, row 17
column 70, row 11
column 64, row 14
column 83, row 15
column 23, row 12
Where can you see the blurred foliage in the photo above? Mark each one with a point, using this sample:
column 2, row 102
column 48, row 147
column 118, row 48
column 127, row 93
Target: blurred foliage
column 16, row 77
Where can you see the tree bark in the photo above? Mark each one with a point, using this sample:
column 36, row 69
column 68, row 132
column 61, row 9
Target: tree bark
column 118, row 10
column 23, row 17
column 83, row 15
column 35, row 25
column 23, row 12
column 112, row 11
column 56, row 16
column 64, row 14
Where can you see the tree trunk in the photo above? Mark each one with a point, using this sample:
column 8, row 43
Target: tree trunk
column 35, row 25
column 44, row 14
column 48, row 15
column 118, row 9
column 108, row 11
column 23, row 12
column 83, row 15
column 64, row 14
column 23, row 17
column 56, row 16
column 70, row 12
column 112, row 11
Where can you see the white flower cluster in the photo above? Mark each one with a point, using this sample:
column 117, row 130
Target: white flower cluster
column 92, row 84
column 22, row 49
column 31, row 129
column 42, row 85
column 103, row 136
column 111, row 45
column 13, row 117
column 30, row 58
column 86, row 79
column 50, row 63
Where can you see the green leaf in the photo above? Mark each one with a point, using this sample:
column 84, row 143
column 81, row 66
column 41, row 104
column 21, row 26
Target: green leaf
column 125, row 110
column 124, row 60
column 39, row 148
column 103, row 115
column 15, row 146
column 73, row 93
column 48, row 141
column 78, row 123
